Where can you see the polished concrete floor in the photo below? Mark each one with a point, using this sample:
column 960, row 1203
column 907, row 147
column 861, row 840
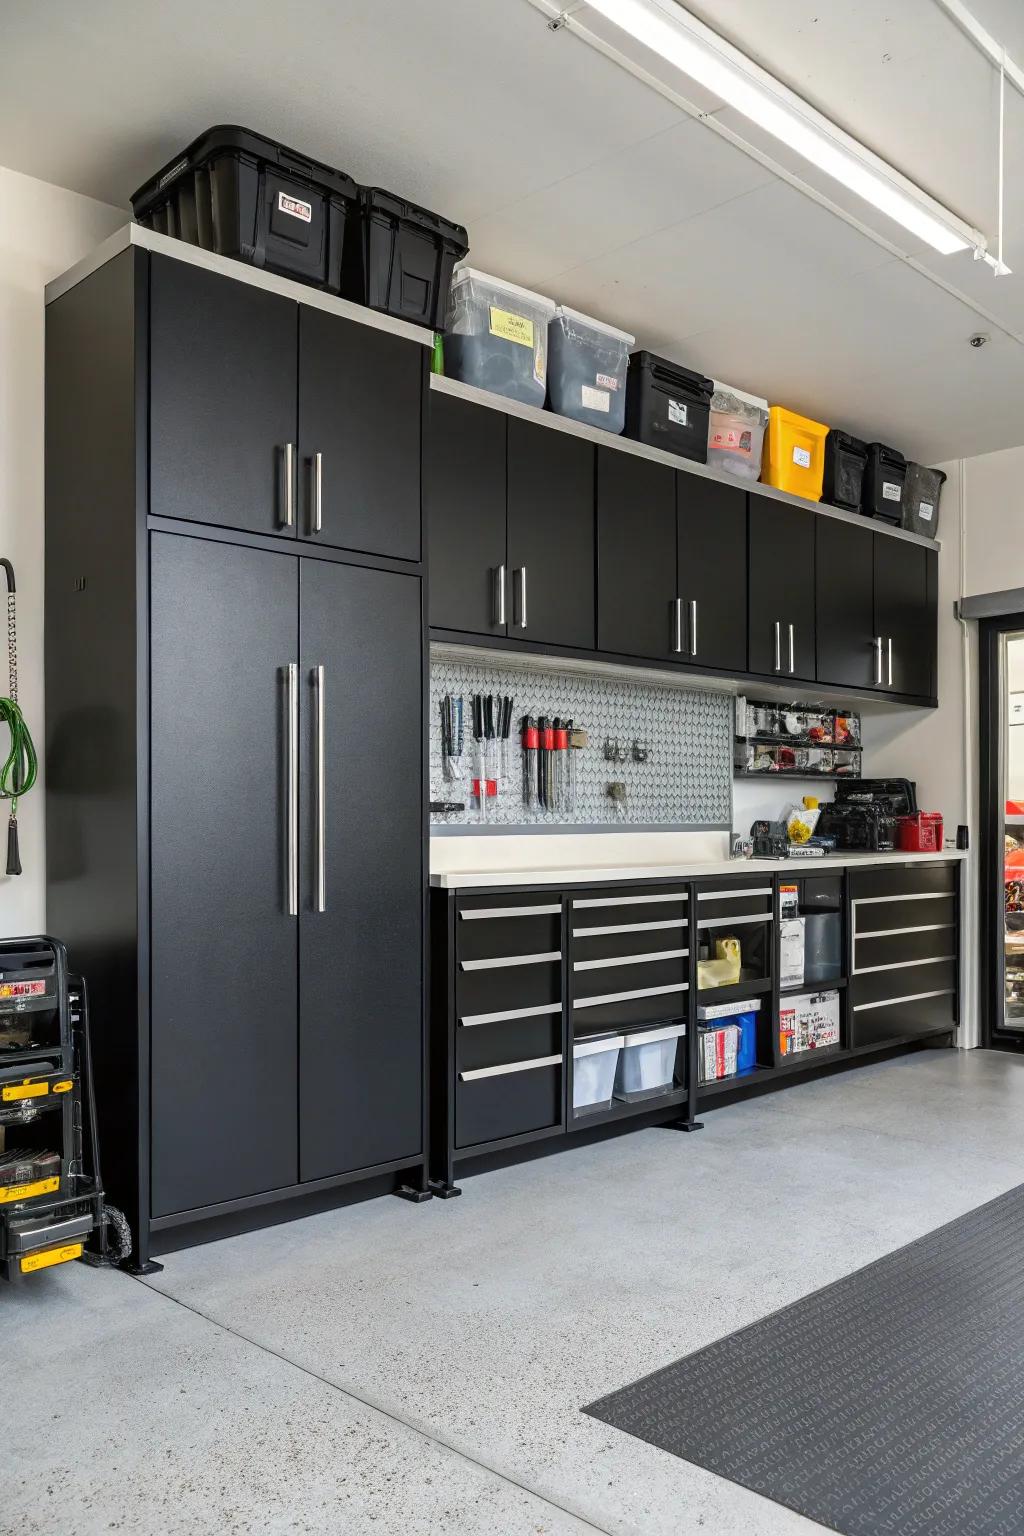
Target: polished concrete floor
column 401, row 1369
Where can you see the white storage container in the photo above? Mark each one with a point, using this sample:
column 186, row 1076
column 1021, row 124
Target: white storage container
column 587, row 366
column 593, row 1073
column 736, row 431
column 648, row 1062
column 496, row 336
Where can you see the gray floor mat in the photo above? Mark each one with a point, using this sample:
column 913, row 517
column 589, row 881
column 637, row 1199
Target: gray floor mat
column 888, row 1404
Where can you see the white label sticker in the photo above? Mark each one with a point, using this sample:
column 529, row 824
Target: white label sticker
column 891, row 491
column 595, row 399
column 802, row 456
column 607, row 381
column 296, row 207
column 677, row 413
column 926, row 511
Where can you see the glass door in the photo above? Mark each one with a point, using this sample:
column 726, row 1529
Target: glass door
column 1002, row 828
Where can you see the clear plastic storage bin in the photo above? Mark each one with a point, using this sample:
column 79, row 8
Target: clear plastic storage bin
column 593, row 1073
column 496, row 336
column 736, row 432
column 587, row 365
column 647, row 1065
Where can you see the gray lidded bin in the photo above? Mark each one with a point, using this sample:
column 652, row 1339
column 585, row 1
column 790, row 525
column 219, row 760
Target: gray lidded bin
column 921, row 495
column 587, row 365
column 496, row 336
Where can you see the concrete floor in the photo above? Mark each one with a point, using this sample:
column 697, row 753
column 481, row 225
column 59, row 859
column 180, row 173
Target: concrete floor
column 403, row 1369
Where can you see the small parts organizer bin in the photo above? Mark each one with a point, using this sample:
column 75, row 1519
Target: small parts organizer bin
column 51, row 1201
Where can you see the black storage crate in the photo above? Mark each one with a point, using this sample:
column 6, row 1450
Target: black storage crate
column 846, row 459
column 400, row 258
column 245, row 196
column 884, row 478
column 921, row 495
column 668, row 406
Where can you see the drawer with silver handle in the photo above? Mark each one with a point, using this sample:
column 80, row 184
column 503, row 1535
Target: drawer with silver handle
column 500, row 928
column 490, row 1046
column 869, row 988
column 921, row 912
column 889, row 950
column 901, row 881
column 606, row 1004
column 902, row 1015
column 499, row 989
column 721, row 902
column 509, row 1099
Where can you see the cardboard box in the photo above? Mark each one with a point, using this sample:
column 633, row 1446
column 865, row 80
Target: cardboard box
column 809, row 1022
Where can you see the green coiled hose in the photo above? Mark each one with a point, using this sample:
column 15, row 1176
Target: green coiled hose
column 19, row 771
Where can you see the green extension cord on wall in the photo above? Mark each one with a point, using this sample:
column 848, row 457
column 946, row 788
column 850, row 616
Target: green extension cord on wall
column 18, row 774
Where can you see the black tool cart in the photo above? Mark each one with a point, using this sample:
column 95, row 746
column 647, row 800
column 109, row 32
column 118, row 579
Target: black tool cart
column 51, row 1201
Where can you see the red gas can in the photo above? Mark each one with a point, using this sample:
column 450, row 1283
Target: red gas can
column 919, row 833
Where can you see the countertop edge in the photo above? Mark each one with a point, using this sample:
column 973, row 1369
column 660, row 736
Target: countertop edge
column 608, row 874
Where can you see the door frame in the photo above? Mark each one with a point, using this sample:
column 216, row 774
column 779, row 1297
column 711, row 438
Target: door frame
column 991, row 728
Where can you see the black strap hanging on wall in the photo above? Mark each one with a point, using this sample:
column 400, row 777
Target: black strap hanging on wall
column 18, row 773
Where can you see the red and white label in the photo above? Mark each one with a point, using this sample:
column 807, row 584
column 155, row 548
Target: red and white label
column 296, row 207
column 607, row 381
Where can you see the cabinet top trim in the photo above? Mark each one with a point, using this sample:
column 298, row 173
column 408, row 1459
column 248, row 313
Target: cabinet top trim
column 592, row 875
column 558, row 423
column 179, row 250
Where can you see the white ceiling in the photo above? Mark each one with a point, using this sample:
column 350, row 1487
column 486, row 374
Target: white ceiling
column 575, row 177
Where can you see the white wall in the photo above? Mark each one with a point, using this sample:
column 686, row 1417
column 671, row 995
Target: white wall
column 43, row 230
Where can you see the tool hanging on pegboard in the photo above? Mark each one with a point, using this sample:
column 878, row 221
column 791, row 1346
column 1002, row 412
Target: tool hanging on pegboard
column 18, row 773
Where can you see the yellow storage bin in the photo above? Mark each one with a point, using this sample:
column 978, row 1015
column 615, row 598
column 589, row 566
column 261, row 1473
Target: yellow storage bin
column 794, row 453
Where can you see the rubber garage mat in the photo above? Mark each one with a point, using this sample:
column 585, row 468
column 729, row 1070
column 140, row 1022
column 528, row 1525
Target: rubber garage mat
column 890, row 1402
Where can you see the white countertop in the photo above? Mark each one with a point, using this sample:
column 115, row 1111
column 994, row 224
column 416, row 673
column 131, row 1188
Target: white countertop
column 457, row 880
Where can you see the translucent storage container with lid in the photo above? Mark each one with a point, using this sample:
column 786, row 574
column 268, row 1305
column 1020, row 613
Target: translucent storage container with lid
column 587, row 364
column 668, row 406
column 846, row 459
column 496, row 336
column 884, row 480
column 593, row 1072
column 736, row 431
column 647, row 1065
column 794, row 453
column 921, row 493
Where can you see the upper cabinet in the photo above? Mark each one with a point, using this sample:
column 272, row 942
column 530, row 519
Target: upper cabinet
column 637, row 611
column 550, row 548
column 222, row 411
column 464, row 506
column 844, row 586
column 906, row 612
column 781, row 587
column 711, row 585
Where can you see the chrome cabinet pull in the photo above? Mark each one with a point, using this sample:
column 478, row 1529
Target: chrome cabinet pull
column 778, row 646
column 316, row 510
column 677, row 626
column 912, row 997
column 476, row 914
column 293, row 789
column 471, row 1020
column 289, row 485
column 321, row 789
column 792, row 654
column 511, row 1066
column 878, row 661
column 499, row 595
column 628, row 997
column 890, row 661
column 521, row 597
column 693, row 626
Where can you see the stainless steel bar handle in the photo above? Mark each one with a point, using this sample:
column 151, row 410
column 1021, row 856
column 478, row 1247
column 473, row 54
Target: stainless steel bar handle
column 792, row 653
column 521, row 573
column 890, row 661
column 677, row 626
column 878, row 661
column 293, row 789
column 499, row 595
column 778, row 646
column 693, row 626
column 321, row 790
column 289, row 485
column 318, row 493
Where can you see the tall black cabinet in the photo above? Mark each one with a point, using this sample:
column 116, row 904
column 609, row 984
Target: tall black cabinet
column 235, row 654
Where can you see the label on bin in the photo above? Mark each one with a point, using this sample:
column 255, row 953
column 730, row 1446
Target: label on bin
column 49, row 1257
column 891, row 491
column 296, row 207
column 22, row 989
column 802, row 456
column 595, row 399
column 926, row 511
column 677, row 413
column 607, row 381
column 510, row 327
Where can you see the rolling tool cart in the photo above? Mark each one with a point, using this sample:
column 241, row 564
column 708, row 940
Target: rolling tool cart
column 51, row 1197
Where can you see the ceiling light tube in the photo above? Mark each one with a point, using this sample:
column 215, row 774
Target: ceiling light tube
column 667, row 29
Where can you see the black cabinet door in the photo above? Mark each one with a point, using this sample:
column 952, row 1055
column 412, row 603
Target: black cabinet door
column 361, row 971
column 464, row 503
column 360, row 399
column 781, row 554
column 550, row 553
column 224, row 624
column 712, row 581
column 636, row 555
column 844, row 588
column 905, row 615
column 222, row 382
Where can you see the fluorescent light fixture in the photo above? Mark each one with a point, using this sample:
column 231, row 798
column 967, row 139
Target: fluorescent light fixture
column 669, row 30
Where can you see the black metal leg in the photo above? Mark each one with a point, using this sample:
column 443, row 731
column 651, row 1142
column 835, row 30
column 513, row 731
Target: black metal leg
column 444, row 1189
column 418, row 1192
column 149, row 1267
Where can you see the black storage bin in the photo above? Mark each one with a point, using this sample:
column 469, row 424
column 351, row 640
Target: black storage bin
column 242, row 195
column 402, row 259
column 668, row 406
column 846, row 458
column 884, row 478
column 921, row 495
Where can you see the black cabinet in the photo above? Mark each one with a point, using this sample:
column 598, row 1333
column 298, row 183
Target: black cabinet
column 222, row 400
column 361, row 971
column 906, row 579
column 636, row 556
column 712, row 579
column 844, row 586
column 550, row 548
column 464, row 503
column 360, row 399
column 224, row 630
column 781, row 606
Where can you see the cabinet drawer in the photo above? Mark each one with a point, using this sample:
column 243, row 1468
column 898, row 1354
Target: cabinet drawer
column 875, row 987
column 753, row 897
column 508, row 1040
column 626, row 909
column 525, row 1096
column 902, row 1015
column 669, row 970
column 633, row 944
column 899, row 951
column 505, row 989
column 918, row 912
column 624, row 1007
column 492, row 928
column 902, row 880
